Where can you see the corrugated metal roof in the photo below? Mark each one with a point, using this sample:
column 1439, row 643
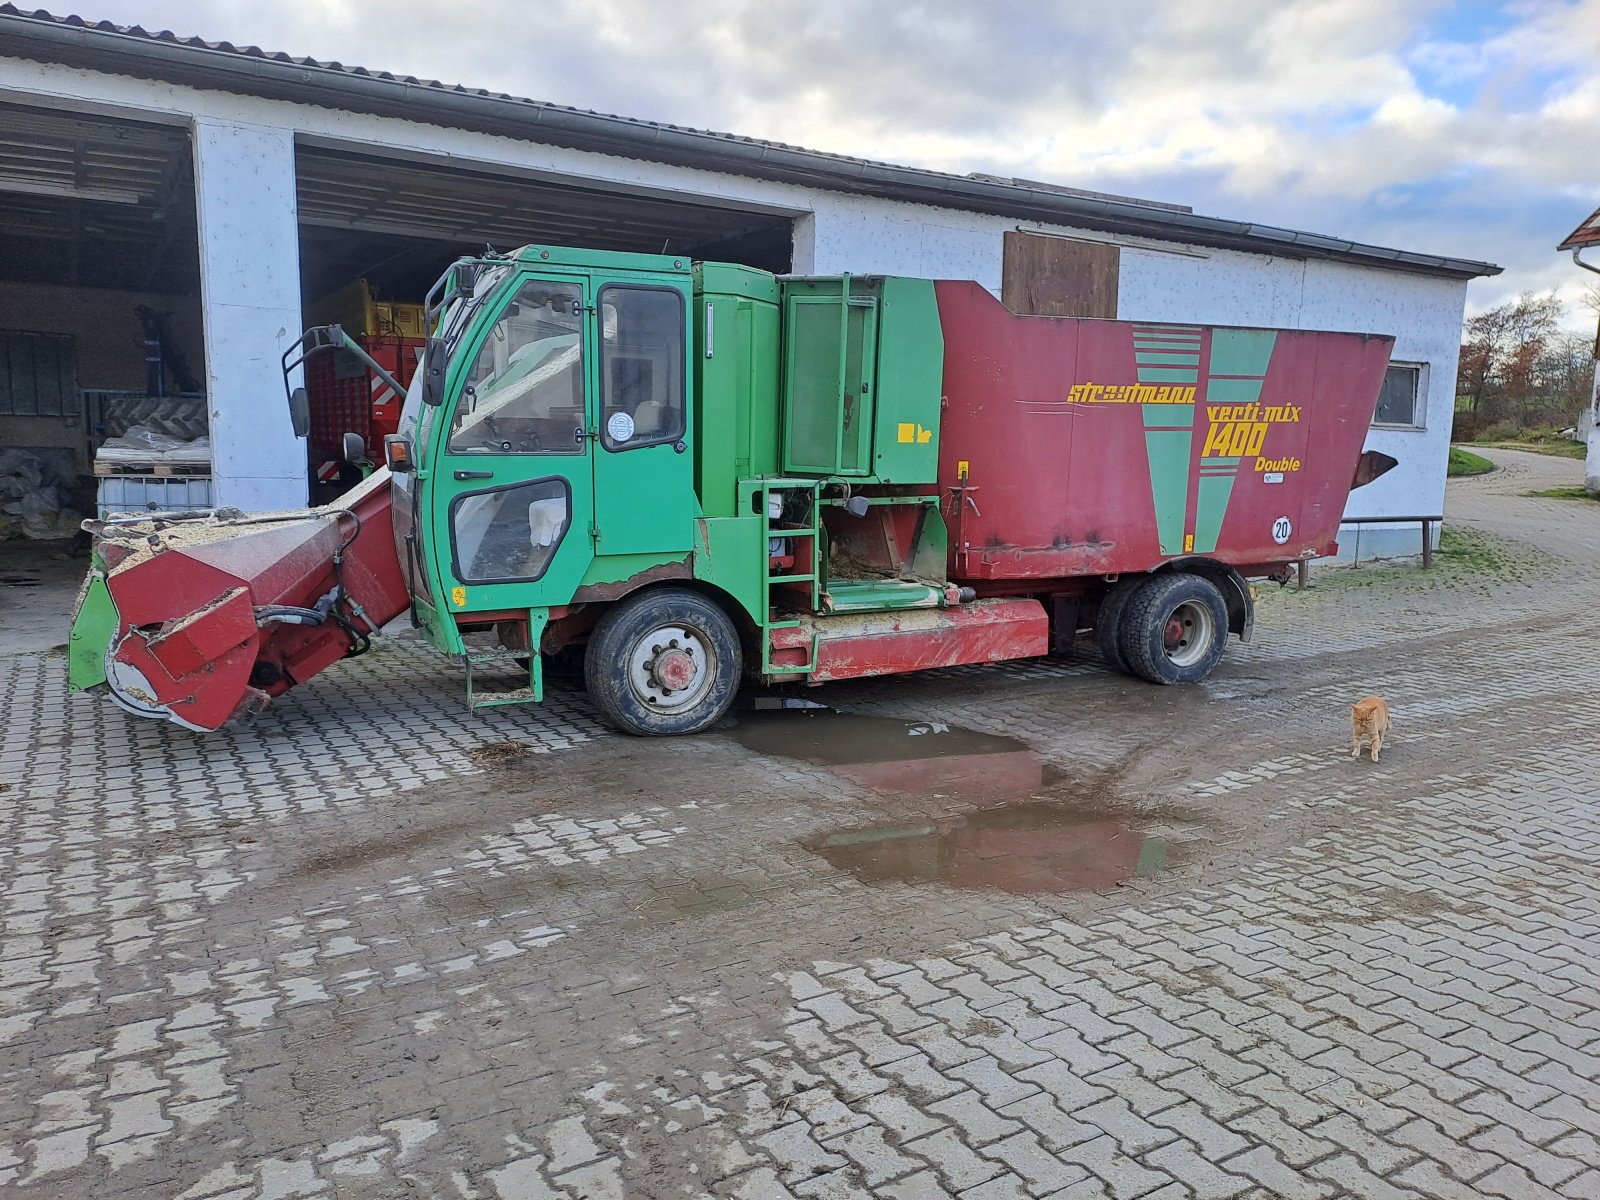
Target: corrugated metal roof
column 249, row 70
column 1587, row 234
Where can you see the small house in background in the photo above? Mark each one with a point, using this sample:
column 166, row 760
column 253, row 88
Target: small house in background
column 231, row 190
column 1586, row 237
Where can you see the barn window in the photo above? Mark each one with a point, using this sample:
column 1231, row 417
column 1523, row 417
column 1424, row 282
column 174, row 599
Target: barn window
column 1399, row 401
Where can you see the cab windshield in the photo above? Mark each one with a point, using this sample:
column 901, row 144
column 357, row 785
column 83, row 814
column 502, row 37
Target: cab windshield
column 452, row 324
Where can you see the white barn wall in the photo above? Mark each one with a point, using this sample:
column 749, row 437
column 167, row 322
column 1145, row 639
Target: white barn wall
column 833, row 232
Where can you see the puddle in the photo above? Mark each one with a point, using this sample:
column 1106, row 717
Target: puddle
column 927, row 758
column 1018, row 848
column 1031, row 843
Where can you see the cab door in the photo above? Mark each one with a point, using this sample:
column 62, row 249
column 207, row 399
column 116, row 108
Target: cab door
column 644, row 472
column 512, row 491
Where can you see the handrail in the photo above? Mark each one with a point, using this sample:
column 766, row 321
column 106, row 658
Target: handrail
column 1427, row 539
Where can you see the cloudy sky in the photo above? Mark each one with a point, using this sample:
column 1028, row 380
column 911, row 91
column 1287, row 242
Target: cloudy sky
column 1470, row 129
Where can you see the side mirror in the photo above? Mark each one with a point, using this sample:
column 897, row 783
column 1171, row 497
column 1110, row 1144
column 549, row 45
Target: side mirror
column 354, row 449
column 433, row 373
column 300, row 412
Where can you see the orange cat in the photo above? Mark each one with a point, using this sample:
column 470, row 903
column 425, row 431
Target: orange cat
column 1369, row 718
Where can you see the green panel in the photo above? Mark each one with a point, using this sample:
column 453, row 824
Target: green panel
column 731, row 279
column 813, row 384
column 1168, row 451
column 910, row 381
column 729, row 555
column 874, row 595
column 1168, row 416
column 1211, row 504
column 1241, row 351
column 1233, row 391
column 1166, row 375
column 860, row 396
column 889, row 351
column 93, row 627
column 932, row 558
column 830, row 365
column 736, row 381
column 644, row 498
column 1191, row 359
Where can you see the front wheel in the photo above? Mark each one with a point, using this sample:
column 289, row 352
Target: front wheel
column 663, row 662
column 1174, row 629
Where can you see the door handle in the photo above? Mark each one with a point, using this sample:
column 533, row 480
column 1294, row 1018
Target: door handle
column 474, row 474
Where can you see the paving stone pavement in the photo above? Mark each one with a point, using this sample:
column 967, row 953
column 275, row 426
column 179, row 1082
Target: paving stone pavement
column 364, row 947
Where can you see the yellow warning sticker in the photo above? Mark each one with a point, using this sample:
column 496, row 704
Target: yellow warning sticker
column 1188, row 545
column 458, row 597
column 909, row 432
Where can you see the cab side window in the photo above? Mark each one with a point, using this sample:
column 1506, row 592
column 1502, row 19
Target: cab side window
column 642, row 333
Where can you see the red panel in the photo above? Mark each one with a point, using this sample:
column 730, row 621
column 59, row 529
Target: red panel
column 920, row 639
column 187, row 604
column 1061, row 481
column 186, row 645
column 360, row 403
column 147, row 592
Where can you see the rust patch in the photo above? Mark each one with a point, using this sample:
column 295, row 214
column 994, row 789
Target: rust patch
column 681, row 569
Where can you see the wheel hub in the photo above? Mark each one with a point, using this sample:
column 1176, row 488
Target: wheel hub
column 1188, row 633
column 673, row 669
column 670, row 667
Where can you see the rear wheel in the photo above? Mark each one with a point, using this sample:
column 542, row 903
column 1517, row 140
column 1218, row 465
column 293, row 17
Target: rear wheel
column 1108, row 623
column 1174, row 629
column 663, row 662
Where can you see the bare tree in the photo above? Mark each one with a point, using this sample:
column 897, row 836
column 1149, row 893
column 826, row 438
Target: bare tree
column 1510, row 357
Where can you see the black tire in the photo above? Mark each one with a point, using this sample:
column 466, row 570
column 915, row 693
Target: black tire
column 1174, row 629
column 651, row 640
column 1108, row 623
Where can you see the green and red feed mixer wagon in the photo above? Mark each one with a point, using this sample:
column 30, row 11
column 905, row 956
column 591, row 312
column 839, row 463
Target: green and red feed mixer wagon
column 684, row 476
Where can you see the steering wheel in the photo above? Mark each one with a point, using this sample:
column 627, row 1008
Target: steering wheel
column 500, row 440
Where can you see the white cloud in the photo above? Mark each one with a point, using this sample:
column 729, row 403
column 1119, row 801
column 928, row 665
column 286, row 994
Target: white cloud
column 1378, row 120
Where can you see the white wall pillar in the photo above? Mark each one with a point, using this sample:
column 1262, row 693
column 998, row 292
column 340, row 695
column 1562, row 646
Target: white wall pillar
column 1591, row 466
column 803, row 255
column 250, row 300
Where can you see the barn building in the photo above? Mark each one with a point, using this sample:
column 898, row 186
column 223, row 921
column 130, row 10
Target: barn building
column 173, row 211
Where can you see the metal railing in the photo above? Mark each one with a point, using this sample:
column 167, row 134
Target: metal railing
column 1427, row 540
